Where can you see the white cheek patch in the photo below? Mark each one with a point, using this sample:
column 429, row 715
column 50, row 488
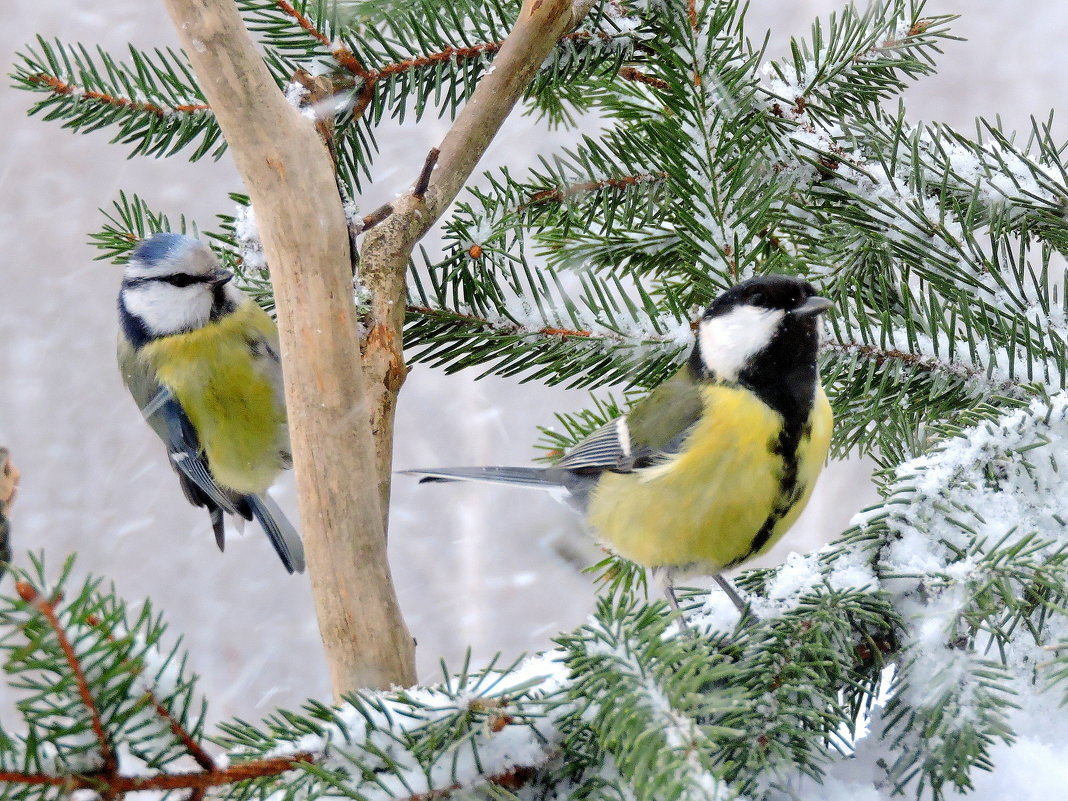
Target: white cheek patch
column 167, row 309
column 730, row 340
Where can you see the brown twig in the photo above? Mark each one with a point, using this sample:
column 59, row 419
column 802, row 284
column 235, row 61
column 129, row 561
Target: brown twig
column 878, row 355
column 927, row 364
column 345, row 57
column 63, row 88
column 418, row 191
column 558, row 195
column 632, row 74
column 376, row 216
column 30, row 595
column 387, row 248
column 196, row 780
column 421, row 185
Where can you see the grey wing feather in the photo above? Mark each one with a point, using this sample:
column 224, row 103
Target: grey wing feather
column 182, row 445
column 607, row 448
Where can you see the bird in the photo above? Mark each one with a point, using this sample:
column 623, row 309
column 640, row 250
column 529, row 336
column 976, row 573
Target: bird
column 201, row 360
column 712, row 467
column 9, row 484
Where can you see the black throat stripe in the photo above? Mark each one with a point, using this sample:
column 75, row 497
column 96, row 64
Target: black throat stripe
column 784, row 377
column 790, row 491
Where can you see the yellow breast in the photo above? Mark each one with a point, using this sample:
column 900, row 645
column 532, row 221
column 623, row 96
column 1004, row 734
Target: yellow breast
column 706, row 505
column 228, row 394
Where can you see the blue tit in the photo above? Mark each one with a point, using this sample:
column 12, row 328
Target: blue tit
column 201, row 360
column 713, row 467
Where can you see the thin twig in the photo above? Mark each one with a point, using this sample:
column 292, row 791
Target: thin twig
column 925, row 363
column 558, row 195
column 632, row 74
column 257, row 769
column 345, row 57
column 376, row 216
column 61, row 87
column 30, row 595
column 421, row 185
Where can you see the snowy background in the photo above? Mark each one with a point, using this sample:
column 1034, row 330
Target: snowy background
column 474, row 566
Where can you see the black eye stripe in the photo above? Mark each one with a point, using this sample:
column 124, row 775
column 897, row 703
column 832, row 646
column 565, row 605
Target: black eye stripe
column 184, row 279
column 178, row 280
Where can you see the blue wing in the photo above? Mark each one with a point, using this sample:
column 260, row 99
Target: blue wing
column 183, row 446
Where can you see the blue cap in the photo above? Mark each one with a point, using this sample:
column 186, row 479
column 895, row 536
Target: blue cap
column 159, row 246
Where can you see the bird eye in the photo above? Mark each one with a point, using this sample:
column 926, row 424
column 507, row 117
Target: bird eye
column 758, row 299
column 181, row 279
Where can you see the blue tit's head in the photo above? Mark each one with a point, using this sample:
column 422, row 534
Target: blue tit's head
column 771, row 318
column 173, row 284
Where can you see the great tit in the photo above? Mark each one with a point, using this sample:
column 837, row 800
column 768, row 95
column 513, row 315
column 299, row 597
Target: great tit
column 711, row 468
column 201, row 360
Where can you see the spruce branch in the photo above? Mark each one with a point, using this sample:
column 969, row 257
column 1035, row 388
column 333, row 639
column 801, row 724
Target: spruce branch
column 46, row 608
column 89, row 670
column 340, row 53
column 285, row 165
column 154, row 101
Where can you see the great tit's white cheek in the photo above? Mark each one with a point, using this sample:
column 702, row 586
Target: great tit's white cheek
column 167, row 309
column 730, row 340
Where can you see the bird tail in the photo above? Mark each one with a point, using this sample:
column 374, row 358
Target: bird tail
column 217, row 525
column 279, row 531
column 536, row 477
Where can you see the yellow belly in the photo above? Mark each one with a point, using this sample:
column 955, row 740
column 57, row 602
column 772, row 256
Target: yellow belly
column 229, row 398
column 706, row 506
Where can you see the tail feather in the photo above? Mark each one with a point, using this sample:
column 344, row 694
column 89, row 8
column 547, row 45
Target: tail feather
column 279, row 531
column 218, row 526
column 536, row 477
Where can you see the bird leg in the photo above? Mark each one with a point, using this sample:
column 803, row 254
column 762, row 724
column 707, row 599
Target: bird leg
column 736, row 599
column 669, row 593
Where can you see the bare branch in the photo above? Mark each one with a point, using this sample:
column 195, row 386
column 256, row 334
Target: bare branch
column 289, row 175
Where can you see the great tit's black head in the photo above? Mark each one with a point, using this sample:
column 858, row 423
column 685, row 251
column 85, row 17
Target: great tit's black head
column 172, row 284
column 772, row 318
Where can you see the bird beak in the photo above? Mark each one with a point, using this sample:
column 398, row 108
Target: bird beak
column 220, row 277
column 811, row 307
